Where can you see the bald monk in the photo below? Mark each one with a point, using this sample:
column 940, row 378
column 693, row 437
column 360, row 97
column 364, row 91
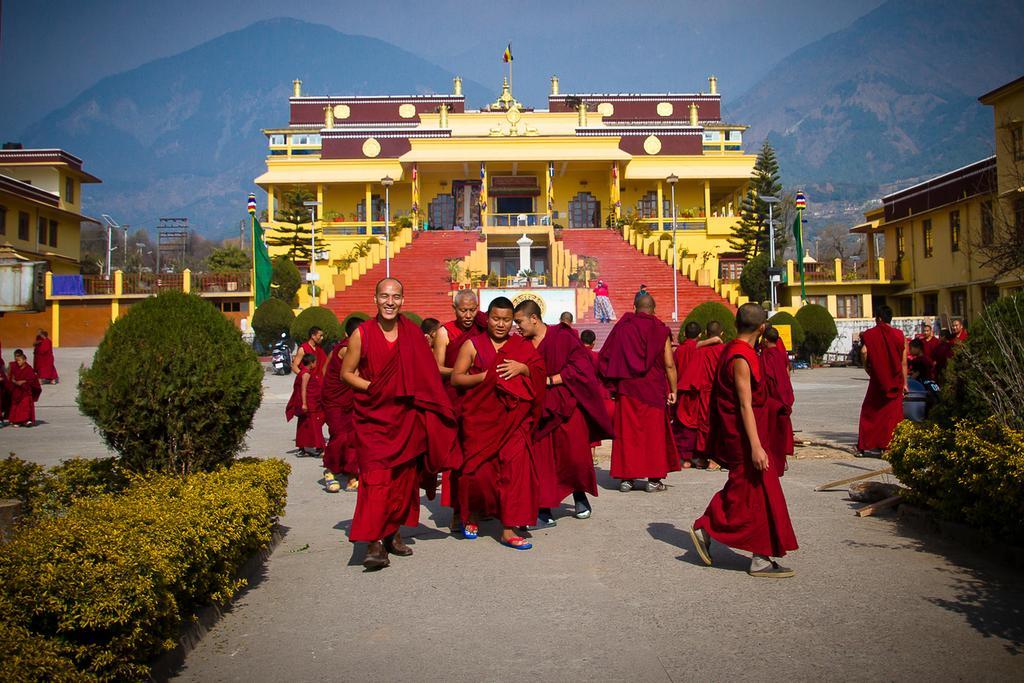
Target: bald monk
column 448, row 339
column 702, row 381
column 339, row 456
column 750, row 512
column 637, row 359
column 566, row 318
column 775, row 366
column 885, row 359
column 930, row 343
column 403, row 421
column 958, row 330
column 574, row 415
column 306, row 404
column 313, row 345
column 502, row 380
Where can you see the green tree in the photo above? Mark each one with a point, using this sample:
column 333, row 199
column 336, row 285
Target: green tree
column 285, row 280
column 228, row 259
column 819, row 330
column 751, row 236
column 272, row 317
column 704, row 313
column 294, row 235
column 754, row 278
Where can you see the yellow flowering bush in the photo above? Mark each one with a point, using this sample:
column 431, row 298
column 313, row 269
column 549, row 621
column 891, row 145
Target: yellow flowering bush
column 107, row 581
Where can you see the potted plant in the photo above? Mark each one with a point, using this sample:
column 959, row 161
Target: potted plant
column 492, row 280
column 574, row 280
column 529, row 275
column 454, row 266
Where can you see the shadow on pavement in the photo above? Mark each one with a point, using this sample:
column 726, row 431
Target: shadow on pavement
column 722, row 556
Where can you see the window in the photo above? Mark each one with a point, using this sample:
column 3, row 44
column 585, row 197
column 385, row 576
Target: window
column 3, row 220
column 931, row 304
column 954, row 230
column 735, row 136
column 958, row 303
column 230, row 306
column 69, row 190
column 818, row 300
column 42, row 234
column 905, row 306
column 730, row 269
column 376, row 207
column 23, row 226
column 929, row 243
column 648, row 206
column 584, row 211
column 276, row 139
column 712, row 136
column 53, row 233
column 848, row 306
column 441, row 212
column 989, row 294
column 901, row 250
column 1017, row 142
column 988, row 226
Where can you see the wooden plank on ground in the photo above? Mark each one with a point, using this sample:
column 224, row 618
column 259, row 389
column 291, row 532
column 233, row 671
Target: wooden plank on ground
column 872, row 508
column 859, row 477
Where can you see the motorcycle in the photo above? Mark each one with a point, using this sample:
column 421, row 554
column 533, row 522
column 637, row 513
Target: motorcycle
column 281, row 355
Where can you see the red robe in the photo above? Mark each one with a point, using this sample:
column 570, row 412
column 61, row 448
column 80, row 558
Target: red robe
column 23, row 398
column 687, row 413
column 775, row 366
column 923, row 366
column 941, row 356
column 931, row 347
column 574, row 417
column 321, row 355
column 339, row 455
column 633, row 359
column 750, row 512
column 309, row 429
column 498, row 477
column 457, row 336
column 882, row 409
column 404, row 426
column 706, row 367
column 42, row 359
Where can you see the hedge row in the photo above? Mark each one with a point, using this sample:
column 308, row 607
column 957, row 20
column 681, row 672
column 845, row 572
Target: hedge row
column 100, row 589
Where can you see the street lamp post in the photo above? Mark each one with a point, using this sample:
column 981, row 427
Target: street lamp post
column 111, row 225
column 387, row 182
column 672, row 180
column 771, row 202
column 313, row 276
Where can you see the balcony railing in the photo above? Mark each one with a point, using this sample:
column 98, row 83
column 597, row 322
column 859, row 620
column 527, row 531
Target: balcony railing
column 205, row 283
column 120, row 284
column 511, row 220
column 681, row 223
column 152, row 283
column 98, row 285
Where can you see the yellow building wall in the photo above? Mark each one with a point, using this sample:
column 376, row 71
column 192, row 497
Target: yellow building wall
column 68, row 235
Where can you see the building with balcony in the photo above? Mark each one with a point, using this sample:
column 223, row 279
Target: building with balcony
column 586, row 161
column 41, row 205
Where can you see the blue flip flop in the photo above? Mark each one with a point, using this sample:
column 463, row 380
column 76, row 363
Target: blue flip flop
column 466, row 533
column 525, row 545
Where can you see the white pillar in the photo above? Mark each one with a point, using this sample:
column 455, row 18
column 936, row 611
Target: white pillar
column 524, row 243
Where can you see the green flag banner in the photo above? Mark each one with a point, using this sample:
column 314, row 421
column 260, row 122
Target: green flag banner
column 261, row 263
column 798, row 237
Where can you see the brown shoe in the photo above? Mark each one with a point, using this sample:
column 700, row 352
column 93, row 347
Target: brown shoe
column 395, row 546
column 376, row 556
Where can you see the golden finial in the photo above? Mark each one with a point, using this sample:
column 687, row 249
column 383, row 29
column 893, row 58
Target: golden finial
column 581, row 109
column 694, row 117
column 713, row 84
column 329, row 117
column 457, row 89
column 554, row 85
column 443, row 109
column 297, row 88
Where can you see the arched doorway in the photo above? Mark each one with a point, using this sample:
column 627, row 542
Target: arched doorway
column 584, row 211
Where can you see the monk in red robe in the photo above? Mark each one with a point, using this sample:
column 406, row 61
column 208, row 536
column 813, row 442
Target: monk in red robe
column 930, row 343
column 702, row 382
column 750, row 512
column 42, row 359
column 589, row 340
column 941, row 356
column 958, row 330
column 313, row 346
column 691, row 406
column 339, row 454
column 919, row 365
column 775, row 368
column 502, row 378
column 885, row 359
column 637, row 358
column 404, row 425
column 469, row 321
column 5, row 396
column 574, row 415
column 24, row 390
column 306, row 403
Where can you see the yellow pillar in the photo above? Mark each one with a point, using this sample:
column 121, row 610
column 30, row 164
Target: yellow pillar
column 368, row 209
column 115, row 307
column 839, row 270
column 616, row 194
column 483, row 195
column 271, row 208
column 415, row 198
column 789, row 272
column 548, row 196
column 661, row 207
column 55, row 323
column 881, row 270
column 707, row 201
column 186, row 280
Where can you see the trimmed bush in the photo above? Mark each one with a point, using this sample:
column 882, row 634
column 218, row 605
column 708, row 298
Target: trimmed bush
column 754, row 278
column 783, row 318
column 271, row 318
column 172, row 386
column 108, row 582
column 413, row 317
column 355, row 314
column 285, row 280
column 316, row 316
column 23, row 480
column 819, row 329
column 970, row 472
column 704, row 313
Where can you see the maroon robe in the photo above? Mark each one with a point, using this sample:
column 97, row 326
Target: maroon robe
column 882, row 409
column 685, row 426
column 321, row 355
column 750, row 512
column 23, row 398
column 339, row 455
column 633, row 359
column 706, row 367
column 923, row 366
column 498, row 477
column 404, row 427
column 574, row 416
column 931, row 347
column 775, row 366
column 309, row 429
column 42, row 359
column 941, row 356
column 457, row 336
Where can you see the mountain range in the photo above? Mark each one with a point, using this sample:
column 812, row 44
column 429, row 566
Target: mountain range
column 886, row 101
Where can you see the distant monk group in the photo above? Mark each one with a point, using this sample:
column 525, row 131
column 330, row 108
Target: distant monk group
column 507, row 421
column 21, row 382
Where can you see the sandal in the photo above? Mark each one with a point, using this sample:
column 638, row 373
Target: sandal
column 352, row 486
column 516, row 543
column 330, row 483
column 470, row 531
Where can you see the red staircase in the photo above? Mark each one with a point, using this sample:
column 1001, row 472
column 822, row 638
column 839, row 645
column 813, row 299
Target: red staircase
column 623, row 268
column 421, row 268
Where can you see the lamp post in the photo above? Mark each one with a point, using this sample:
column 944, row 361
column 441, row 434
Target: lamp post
column 313, row 276
column 771, row 202
column 111, row 225
column 140, row 246
column 672, row 180
column 387, row 181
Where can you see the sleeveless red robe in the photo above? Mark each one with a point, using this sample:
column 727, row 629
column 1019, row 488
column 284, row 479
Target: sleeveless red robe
column 882, row 409
column 339, row 455
column 457, row 336
column 687, row 413
column 775, row 366
column 42, row 359
column 309, row 429
column 22, row 398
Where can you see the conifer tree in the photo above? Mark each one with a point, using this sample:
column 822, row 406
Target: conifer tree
column 294, row 235
column 751, row 236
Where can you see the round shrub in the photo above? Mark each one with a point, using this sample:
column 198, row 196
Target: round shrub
column 271, row 318
column 285, row 280
column 355, row 314
column 316, row 316
column 795, row 328
column 172, row 386
column 704, row 313
column 413, row 317
column 819, row 329
column 754, row 278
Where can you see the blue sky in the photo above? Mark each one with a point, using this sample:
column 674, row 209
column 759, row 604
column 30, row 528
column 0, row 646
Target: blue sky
column 51, row 50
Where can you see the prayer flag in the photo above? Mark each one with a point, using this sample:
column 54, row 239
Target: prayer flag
column 507, row 57
column 261, row 258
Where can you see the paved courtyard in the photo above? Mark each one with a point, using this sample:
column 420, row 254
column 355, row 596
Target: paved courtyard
column 621, row 596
